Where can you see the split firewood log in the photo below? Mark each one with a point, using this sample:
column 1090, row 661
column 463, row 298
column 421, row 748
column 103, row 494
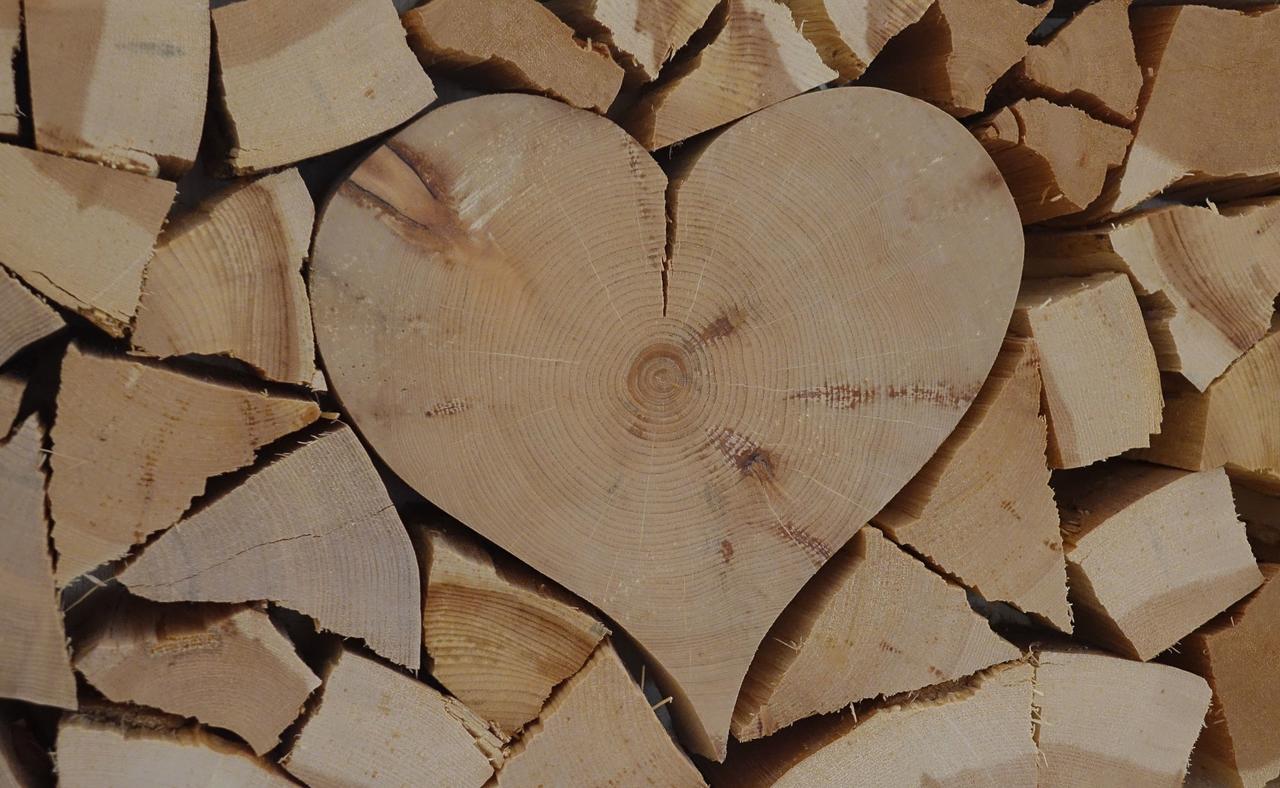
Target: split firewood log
column 1207, row 277
column 301, row 79
column 34, row 663
column 80, row 233
column 121, row 82
column 643, row 33
column 848, row 35
column 10, row 43
column 375, row 725
column 313, row 531
column 514, row 45
column 12, row 389
column 1261, row 515
column 27, row 318
column 133, row 444
column 988, row 485
column 432, row 281
column 1152, row 553
column 226, row 279
column 1094, row 324
column 601, row 700
column 499, row 638
column 756, row 58
column 844, row 639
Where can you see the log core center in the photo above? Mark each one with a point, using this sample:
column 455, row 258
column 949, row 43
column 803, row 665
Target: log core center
column 658, row 377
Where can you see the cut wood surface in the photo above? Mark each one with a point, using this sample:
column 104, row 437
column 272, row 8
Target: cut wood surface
column 599, row 728
column 957, row 51
column 757, row 58
column 1106, row 721
column 133, row 444
column 10, row 42
column 1054, row 158
column 313, row 531
column 1261, row 515
column 12, row 388
column 27, row 318
column 514, row 45
column 34, row 663
column 376, row 726
column 499, row 638
column 224, row 666
column 80, row 233
column 643, row 33
column 988, row 486
column 1207, row 277
column 226, row 280
column 301, row 79
column 730, row 491
column 1152, row 553
column 848, row 34
column 844, row 639
column 1101, row 384
column 122, row 82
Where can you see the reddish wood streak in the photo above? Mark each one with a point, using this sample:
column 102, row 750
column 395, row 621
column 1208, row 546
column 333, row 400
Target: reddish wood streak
column 849, row 397
column 726, row 550
column 447, row 408
column 745, row 454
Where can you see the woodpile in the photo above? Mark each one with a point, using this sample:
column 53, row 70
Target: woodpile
column 639, row 392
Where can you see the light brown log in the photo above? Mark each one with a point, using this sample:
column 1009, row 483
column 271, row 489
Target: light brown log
column 643, row 33
column 766, row 387
column 844, row 639
column 226, row 280
column 224, row 666
column 121, row 82
column 848, row 34
column 1152, row 553
column 957, row 51
column 301, row 79
column 377, row 726
column 599, row 728
column 1207, row 277
column 80, row 233
column 34, row 663
column 499, row 637
column 1101, row 384
column 12, row 388
column 985, row 496
column 27, row 318
column 756, row 59
column 1103, row 720
column 10, row 42
column 514, row 45
column 133, row 444
column 313, row 531
column 1054, row 158
column 1261, row 515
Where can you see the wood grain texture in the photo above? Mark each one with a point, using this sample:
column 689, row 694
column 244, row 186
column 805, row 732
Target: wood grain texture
column 10, row 43
column 12, row 389
column 27, row 318
column 848, row 34
column 644, row 34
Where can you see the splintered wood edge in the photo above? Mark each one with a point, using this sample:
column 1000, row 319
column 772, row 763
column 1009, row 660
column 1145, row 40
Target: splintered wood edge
column 28, row 317
column 848, row 36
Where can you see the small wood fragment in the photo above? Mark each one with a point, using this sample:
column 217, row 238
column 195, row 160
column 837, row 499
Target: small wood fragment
column 80, row 233
column 376, row 726
column 133, row 444
column 27, row 318
column 643, row 33
column 848, row 34
column 10, row 43
column 513, row 45
column 1152, row 553
column 1260, row 512
column 313, row 531
column 227, row 280
column 1101, row 384
column 301, row 79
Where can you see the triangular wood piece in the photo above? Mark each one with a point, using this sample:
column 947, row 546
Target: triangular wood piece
column 133, row 444
column 985, row 496
column 1260, row 512
column 499, row 637
column 34, row 663
column 643, row 33
column 313, row 531
column 227, row 280
column 848, row 34
column 599, row 728
column 27, row 318
column 1152, row 553
column 228, row 667
column 376, row 726
column 845, row 638
column 80, row 233
column 10, row 41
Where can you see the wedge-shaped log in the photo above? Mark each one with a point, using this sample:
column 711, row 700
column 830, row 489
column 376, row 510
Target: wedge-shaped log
column 121, row 82
column 226, row 280
column 10, row 41
column 1104, row 720
column 1207, row 277
column 301, row 79
column 313, row 531
column 643, row 33
column 1152, row 553
column 499, row 637
column 34, row 663
column 133, row 444
column 27, row 318
column 80, row 233
column 1260, row 512
column 848, row 34
column 985, row 496
column 844, row 639
column 1101, row 384
column 375, row 725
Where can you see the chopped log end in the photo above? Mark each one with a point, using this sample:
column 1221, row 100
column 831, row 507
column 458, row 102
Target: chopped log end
column 848, row 36
column 644, row 34
column 27, row 318
column 1260, row 511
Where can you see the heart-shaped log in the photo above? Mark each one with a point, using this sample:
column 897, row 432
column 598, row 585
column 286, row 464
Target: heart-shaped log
column 681, row 437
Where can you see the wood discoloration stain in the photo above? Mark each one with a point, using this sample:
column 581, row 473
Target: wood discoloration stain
column 745, row 454
column 449, row 407
column 847, row 396
column 726, row 550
